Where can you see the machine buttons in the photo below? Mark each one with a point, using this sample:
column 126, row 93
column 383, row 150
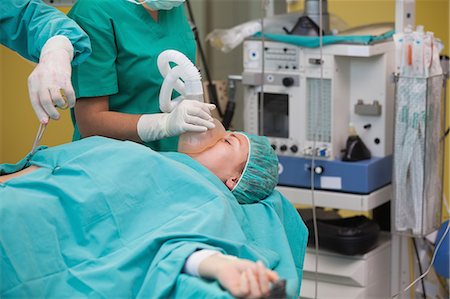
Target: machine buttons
column 274, row 146
column 315, row 61
column 322, row 152
column 318, row 170
column 307, row 151
column 294, row 148
column 288, row 81
column 270, row 78
column 283, row 148
column 253, row 55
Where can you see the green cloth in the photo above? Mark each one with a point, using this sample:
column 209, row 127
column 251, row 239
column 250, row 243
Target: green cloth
column 314, row 41
column 104, row 218
column 126, row 43
column 26, row 25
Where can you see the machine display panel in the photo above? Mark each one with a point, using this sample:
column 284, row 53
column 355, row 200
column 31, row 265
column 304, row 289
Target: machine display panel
column 274, row 116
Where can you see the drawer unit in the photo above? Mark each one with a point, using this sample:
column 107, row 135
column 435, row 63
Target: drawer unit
column 341, row 276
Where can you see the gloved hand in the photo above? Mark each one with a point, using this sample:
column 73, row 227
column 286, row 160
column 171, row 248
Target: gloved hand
column 188, row 116
column 51, row 77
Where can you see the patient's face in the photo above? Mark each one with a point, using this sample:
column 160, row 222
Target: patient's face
column 226, row 158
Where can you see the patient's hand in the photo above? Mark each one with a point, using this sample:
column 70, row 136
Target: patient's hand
column 242, row 278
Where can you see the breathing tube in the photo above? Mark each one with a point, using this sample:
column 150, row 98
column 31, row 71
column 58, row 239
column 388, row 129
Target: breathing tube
column 184, row 78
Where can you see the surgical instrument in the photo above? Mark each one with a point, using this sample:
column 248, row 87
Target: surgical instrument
column 43, row 126
column 38, row 138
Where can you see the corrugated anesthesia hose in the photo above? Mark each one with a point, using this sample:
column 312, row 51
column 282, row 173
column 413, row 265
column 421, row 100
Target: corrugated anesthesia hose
column 184, row 78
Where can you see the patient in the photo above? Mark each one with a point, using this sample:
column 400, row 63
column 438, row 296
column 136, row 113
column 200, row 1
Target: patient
column 248, row 166
column 245, row 164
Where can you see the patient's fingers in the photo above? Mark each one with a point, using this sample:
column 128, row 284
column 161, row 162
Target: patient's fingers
column 254, row 280
column 255, row 290
column 273, row 276
column 243, row 264
column 263, row 278
column 245, row 288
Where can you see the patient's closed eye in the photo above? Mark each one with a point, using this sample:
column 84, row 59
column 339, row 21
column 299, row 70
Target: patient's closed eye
column 227, row 141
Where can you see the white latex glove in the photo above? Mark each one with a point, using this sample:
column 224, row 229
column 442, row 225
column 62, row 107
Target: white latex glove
column 188, row 116
column 51, row 76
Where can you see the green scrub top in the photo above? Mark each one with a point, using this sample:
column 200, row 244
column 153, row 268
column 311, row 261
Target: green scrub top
column 26, row 25
column 126, row 42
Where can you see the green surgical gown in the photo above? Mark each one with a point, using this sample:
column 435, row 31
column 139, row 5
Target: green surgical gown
column 104, row 218
column 126, row 42
column 26, row 25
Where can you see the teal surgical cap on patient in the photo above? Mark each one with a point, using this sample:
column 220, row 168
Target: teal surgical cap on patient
column 260, row 175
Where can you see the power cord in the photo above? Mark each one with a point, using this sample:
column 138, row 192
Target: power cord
column 432, row 259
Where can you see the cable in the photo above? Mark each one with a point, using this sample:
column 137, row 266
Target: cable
column 212, row 92
column 231, row 104
column 420, row 267
column 432, row 259
column 316, row 112
column 261, row 97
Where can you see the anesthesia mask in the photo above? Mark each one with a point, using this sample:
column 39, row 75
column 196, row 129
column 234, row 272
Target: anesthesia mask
column 159, row 4
column 194, row 142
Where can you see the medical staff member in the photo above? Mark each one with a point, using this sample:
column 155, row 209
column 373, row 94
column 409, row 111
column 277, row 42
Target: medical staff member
column 43, row 34
column 118, row 86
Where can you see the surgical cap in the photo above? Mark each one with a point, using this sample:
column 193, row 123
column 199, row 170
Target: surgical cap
column 260, row 175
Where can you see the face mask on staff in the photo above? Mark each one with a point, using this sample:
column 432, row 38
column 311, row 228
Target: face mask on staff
column 159, row 4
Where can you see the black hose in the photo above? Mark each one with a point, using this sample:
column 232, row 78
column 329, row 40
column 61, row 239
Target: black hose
column 420, row 267
column 212, row 92
column 228, row 115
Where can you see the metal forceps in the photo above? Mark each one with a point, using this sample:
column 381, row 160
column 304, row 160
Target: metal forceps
column 43, row 126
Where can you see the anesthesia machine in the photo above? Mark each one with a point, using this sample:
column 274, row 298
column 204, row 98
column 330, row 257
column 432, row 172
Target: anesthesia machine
column 306, row 101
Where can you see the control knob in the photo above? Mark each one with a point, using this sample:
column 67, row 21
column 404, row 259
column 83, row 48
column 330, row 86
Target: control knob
column 283, row 148
column 318, row 170
column 288, row 81
column 294, row 148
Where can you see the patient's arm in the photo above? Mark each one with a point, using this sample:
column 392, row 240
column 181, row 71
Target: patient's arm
column 7, row 177
column 242, row 278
